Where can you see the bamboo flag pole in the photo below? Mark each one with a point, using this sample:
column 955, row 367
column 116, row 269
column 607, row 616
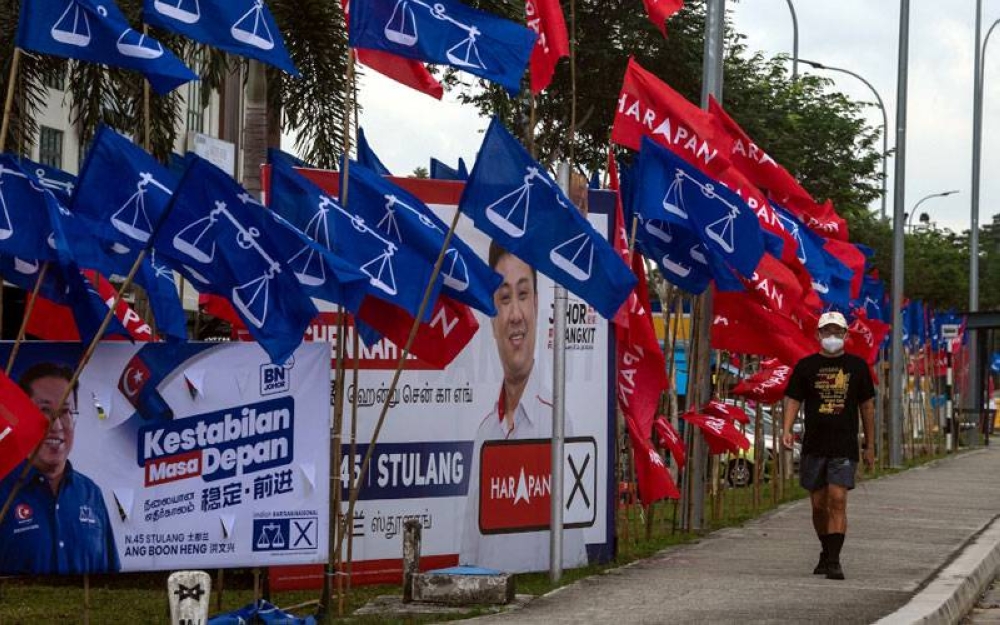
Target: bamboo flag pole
column 27, row 315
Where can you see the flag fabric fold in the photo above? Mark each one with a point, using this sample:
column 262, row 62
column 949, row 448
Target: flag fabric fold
column 215, row 236
column 545, row 17
column 721, row 435
column 767, row 385
column 511, row 199
column 659, row 11
column 96, row 31
column 670, row 440
column 445, row 32
column 652, row 475
column 368, row 157
column 241, row 27
column 22, row 425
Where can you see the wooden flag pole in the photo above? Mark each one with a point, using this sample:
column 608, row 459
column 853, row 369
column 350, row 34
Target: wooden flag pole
column 349, row 523
column 27, row 315
column 424, row 303
column 8, row 105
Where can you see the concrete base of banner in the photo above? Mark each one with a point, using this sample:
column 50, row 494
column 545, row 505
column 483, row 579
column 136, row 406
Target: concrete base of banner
column 464, row 586
column 393, row 606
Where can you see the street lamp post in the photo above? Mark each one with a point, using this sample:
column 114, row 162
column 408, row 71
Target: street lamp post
column 885, row 122
column 909, row 219
column 795, row 41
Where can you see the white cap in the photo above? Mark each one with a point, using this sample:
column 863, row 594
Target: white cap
column 832, row 318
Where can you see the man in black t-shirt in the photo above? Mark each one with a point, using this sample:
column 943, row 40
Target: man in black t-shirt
column 834, row 387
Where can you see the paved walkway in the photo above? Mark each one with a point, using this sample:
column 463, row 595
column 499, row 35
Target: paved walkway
column 904, row 532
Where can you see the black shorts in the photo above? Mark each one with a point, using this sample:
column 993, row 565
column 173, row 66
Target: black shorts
column 816, row 472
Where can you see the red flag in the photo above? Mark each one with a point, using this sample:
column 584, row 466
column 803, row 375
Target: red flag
column 50, row 321
column 721, row 435
column 778, row 288
column 864, row 337
column 820, row 218
column 219, row 307
column 654, row 480
column 659, row 11
column 405, row 71
column 670, row 439
column 766, row 386
column 649, row 107
column 22, row 425
column 716, row 408
column 853, row 259
column 545, row 17
column 642, row 369
column 744, row 326
column 754, row 162
column 438, row 341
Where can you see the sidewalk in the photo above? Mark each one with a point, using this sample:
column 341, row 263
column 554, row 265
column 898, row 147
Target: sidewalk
column 904, row 531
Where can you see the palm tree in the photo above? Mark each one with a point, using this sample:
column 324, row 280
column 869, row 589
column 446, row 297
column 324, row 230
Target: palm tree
column 312, row 106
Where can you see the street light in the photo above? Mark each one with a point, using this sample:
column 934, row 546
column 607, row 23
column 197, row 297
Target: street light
column 909, row 219
column 795, row 42
column 885, row 121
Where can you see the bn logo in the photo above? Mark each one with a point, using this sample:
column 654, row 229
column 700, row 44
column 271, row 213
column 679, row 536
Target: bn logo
column 274, row 379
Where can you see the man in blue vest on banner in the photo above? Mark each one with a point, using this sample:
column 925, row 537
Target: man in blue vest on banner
column 58, row 523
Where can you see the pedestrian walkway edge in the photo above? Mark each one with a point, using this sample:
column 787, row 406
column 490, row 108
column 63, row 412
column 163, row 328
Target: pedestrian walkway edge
column 955, row 588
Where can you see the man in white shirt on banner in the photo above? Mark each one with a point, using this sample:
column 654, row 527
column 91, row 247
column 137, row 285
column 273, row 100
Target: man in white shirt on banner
column 523, row 410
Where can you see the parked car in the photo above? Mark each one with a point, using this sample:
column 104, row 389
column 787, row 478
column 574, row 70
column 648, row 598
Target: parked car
column 740, row 469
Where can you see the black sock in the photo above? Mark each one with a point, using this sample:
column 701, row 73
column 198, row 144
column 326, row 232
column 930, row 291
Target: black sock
column 834, row 542
column 824, row 540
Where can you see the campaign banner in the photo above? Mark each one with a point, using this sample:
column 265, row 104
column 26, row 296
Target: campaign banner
column 189, row 456
column 479, row 481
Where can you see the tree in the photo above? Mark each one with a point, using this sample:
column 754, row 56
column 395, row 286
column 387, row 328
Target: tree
column 421, row 172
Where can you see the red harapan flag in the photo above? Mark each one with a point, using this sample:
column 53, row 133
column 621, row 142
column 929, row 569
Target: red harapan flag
column 721, row 434
column 438, row 341
column 742, row 325
column 767, row 385
column 659, row 11
column 642, row 369
column 654, row 479
column 405, row 71
column 545, row 17
column 22, row 425
column 50, row 321
column 670, row 439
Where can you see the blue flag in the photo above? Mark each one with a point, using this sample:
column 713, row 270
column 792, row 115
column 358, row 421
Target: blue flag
column 97, row 32
column 677, row 252
column 445, row 32
column 241, row 27
column 670, row 189
column 396, row 274
column 367, row 156
column 215, row 236
column 440, row 171
column 995, row 363
column 872, row 298
column 408, row 222
column 59, row 182
column 511, row 199
column 831, row 279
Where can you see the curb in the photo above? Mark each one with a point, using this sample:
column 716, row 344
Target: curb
column 953, row 591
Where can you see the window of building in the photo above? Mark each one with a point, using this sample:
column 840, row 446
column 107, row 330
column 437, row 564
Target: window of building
column 195, row 112
column 56, row 81
column 50, row 147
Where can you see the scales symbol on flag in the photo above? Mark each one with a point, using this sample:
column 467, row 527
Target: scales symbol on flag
column 138, row 45
column 793, row 229
column 379, row 269
column 131, row 219
column 6, row 226
column 402, row 29
column 575, row 256
column 698, row 254
column 510, row 212
column 454, row 271
column 721, row 231
column 252, row 29
column 659, row 229
column 187, row 11
column 51, row 184
column 675, row 266
column 73, row 26
column 252, row 297
column 673, row 201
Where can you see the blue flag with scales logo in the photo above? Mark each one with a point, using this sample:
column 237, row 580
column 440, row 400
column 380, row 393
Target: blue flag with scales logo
column 123, row 215
column 97, row 32
column 407, row 221
column 831, row 279
column 445, row 32
column 396, row 274
column 59, row 182
column 241, row 27
column 511, row 199
column 215, row 236
column 671, row 190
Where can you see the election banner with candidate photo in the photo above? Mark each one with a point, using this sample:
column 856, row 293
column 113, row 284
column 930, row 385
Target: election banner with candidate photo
column 445, row 456
column 172, row 456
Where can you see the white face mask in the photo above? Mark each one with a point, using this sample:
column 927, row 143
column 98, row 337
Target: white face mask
column 832, row 344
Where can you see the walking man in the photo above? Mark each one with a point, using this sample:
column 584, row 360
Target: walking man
column 834, row 387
